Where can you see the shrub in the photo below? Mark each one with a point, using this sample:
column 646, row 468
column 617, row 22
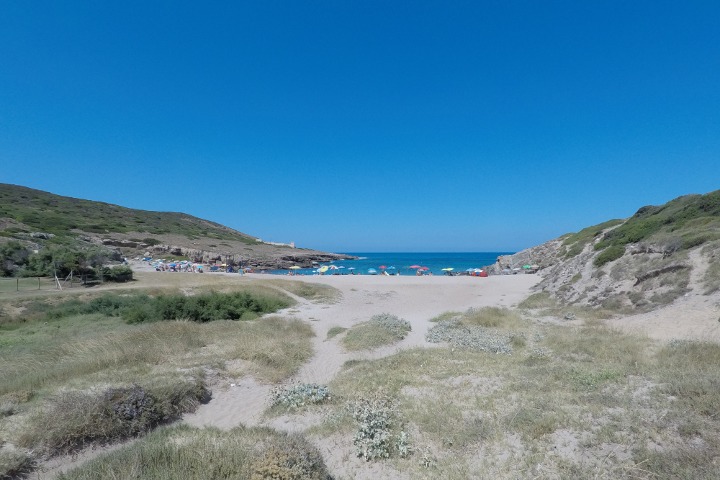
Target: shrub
column 118, row 273
column 376, row 416
column 15, row 463
column 290, row 458
column 472, row 337
column 139, row 308
column 300, row 395
column 76, row 419
column 151, row 241
column 609, row 254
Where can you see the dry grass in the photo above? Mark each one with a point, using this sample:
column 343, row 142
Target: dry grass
column 335, row 331
column 90, row 353
column 492, row 317
column 381, row 330
column 199, row 454
column 585, row 402
column 315, row 292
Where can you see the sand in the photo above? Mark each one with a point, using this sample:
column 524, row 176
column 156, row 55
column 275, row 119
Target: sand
column 415, row 299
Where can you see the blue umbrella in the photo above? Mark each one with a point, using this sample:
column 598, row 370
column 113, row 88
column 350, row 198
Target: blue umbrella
column 372, row 270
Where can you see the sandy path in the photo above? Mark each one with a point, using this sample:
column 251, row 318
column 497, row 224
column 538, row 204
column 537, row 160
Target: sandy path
column 416, row 299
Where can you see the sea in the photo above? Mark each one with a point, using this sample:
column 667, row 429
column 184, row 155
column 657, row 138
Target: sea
column 400, row 263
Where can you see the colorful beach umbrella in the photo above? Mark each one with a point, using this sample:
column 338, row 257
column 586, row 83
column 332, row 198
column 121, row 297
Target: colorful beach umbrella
column 414, row 266
column 323, row 269
column 448, row 269
column 382, row 267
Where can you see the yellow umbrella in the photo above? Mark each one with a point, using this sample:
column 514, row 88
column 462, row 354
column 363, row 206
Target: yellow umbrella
column 323, row 269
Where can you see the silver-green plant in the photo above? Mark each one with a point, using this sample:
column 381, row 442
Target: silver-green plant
column 299, row 395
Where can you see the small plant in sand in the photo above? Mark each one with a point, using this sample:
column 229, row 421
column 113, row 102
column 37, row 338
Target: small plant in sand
column 299, row 395
column 375, row 438
column 380, row 330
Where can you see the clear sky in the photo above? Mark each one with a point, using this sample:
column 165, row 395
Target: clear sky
column 366, row 125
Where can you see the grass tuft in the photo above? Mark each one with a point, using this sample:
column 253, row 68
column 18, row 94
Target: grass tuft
column 380, row 330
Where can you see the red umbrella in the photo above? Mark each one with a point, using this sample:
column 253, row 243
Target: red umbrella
column 382, row 267
column 414, row 266
column 424, row 269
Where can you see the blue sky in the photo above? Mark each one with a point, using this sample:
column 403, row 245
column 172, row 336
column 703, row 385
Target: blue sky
column 368, row 125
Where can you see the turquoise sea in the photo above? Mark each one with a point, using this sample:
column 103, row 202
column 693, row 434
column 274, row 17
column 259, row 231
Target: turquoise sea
column 434, row 261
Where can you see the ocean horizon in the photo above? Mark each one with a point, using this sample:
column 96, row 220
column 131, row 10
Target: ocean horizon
column 400, row 262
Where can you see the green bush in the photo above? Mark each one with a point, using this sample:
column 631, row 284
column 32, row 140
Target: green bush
column 609, row 254
column 118, row 273
column 139, row 308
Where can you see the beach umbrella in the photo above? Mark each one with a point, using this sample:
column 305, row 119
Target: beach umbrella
column 414, row 266
column 333, row 267
column 323, row 269
column 423, row 269
column 382, row 267
column 391, row 268
column 448, row 269
column 372, row 270
column 351, row 268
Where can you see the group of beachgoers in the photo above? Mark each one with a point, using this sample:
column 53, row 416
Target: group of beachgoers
column 186, row 266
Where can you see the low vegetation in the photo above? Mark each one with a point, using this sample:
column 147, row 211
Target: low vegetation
column 72, row 420
column 203, row 307
column 315, row 292
column 76, row 373
column 198, row 454
column 380, row 330
column 692, row 220
column 575, row 402
column 335, row 331
column 299, row 395
column 488, row 329
column 576, row 242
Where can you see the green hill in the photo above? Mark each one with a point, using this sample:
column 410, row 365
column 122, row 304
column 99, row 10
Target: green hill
column 38, row 211
column 37, row 228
